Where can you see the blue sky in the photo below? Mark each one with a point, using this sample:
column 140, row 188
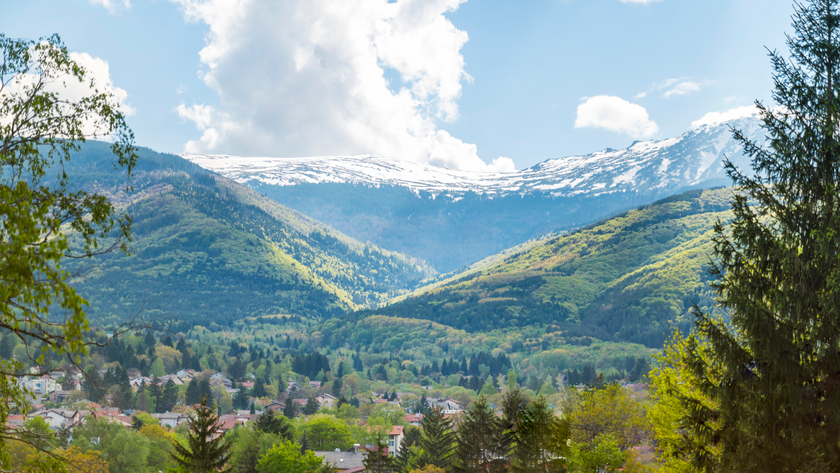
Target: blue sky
column 465, row 83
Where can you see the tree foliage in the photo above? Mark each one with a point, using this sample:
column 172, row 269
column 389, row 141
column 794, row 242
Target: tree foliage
column 774, row 374
column 203, row 453
column 40, row 125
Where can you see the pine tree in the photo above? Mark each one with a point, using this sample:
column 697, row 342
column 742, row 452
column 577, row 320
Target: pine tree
column 774, row 370
column 438, row 440
column 192, row 395
column 311, row 407
column 479, row 438
column 203, row 454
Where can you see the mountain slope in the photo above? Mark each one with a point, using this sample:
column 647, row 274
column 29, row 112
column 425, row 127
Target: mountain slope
column 453, row 218
column 208, row 249
column 626, row 279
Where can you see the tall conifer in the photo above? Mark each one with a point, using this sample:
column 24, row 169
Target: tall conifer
column 203, row 453
column 774, row 373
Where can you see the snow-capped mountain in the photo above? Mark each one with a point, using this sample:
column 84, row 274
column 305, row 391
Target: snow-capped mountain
column 453, row 218
column 649, row 166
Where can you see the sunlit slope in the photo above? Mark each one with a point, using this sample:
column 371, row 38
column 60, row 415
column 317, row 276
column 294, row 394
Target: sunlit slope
column 628, row 278
column 206, row 248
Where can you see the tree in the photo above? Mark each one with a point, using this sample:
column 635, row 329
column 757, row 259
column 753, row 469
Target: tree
column 157, row 368
column 312, row 406
column 326, row 433
column 248, row 446
column 377, row 459
column 270, row 423
column 438, row 441
column 40, row 127
column 125, row 450
column 479, row 439
column 77, row 461
column 290, row 410
column 775, row 275
column 203, row 453
column 541, row 439
column 609, row 411
column 286, row 457
column 602, row 455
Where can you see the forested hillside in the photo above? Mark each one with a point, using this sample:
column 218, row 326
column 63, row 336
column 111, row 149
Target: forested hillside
column 207, row 248
column 626, row 279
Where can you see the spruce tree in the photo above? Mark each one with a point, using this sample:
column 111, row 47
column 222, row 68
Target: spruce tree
column 479, row 438
column 541, row 439
column 202, row 454
column 438, row 440
column 774, row 373
column 290, row 409
column 271, row 423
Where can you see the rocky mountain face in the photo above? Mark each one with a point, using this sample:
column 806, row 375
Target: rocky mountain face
column 452, row 218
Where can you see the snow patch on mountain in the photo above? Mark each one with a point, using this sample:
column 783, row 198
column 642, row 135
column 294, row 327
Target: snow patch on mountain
column 649, row 166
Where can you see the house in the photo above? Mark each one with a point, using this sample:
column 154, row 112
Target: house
column 16, row 420
column 59, row 397
column 326, row 400
column 414, row 419
column 175, row 379
column 112, row 416
column 171, row 419
column 274, row 406
column 345, row 462
column 57, row 418
column 395, row 438
column 40, row 385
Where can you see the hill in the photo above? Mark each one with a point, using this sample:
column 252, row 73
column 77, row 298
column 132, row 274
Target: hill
column 626, row 279
column 207, row 248
column 454, row 218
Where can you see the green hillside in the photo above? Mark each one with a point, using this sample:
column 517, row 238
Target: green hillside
column 206, row 248
column 625, row 279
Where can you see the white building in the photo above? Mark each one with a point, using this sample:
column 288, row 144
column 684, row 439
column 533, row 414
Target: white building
column 40, row 385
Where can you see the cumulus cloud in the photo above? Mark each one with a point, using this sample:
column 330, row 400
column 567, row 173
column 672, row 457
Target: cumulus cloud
column 713, row 118
column 97, row 79
column 617, row 115
column 308, row 77
column 112, row 5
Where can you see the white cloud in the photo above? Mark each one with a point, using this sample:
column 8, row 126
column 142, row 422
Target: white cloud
column 307, row 77
column 97, row 79
column 639, row 2
column 640, row 95
column 713, row 118
column 617, row 115
column 684, row 88
column 112, row 5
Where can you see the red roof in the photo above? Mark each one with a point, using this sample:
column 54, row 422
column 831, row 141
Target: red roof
column 397, row 430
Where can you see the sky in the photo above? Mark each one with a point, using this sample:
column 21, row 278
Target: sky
column 479, row 85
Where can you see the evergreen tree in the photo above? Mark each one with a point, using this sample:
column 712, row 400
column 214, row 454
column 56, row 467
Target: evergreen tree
column 258, row 390
column 412, row 439
column 169, row 397
column 202, row 454
column 541, row 439
column 7, row 346
column 336, row 387
column 378, row 459
column 311, row 407
column 271, row 423
column 438, row 440
column 769, row 361
column 290, row 409
column 192, row 395
column 479, row 438
column 149, row 339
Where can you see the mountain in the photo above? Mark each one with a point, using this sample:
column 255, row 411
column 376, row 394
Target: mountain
column 630, row 278
column 208, row 249
column 453, row 218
